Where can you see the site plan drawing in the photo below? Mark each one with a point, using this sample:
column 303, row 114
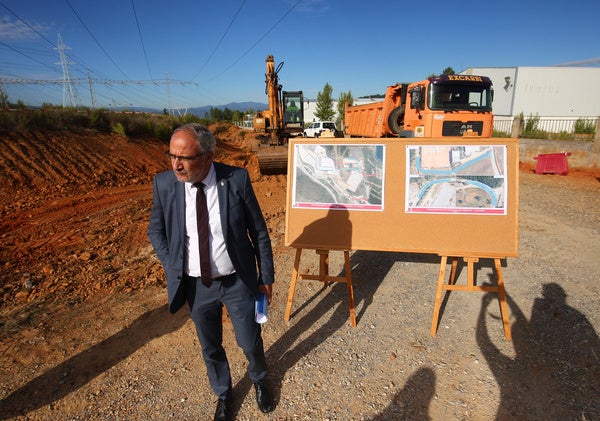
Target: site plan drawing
column 456, row 179
column 338, row 176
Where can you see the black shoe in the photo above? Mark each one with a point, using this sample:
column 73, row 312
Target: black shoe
column 263, row 397
column 222, row 411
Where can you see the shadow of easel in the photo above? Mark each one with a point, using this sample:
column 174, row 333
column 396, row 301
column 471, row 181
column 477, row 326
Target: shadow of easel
column 324, row 277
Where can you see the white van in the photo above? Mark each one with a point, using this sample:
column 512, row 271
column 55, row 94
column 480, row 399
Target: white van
column 315, row 129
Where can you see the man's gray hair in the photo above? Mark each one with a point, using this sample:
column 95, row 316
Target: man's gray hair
column 206, row 139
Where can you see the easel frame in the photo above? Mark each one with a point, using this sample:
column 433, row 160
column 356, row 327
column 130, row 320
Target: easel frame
column 469, row 287
column 325, row 225
column 323, row 277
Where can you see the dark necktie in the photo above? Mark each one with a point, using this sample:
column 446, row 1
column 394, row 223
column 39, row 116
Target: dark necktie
column 203, row 228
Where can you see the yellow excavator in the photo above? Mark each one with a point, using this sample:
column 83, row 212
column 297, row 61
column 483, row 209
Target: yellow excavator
column 283, row 119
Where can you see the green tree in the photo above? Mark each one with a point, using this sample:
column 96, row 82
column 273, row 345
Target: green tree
column 345, row 97
column 447, row 71
column 3, row 98
column 216, row 114
column 237, row 116
column 325, row 110
column 227, row 115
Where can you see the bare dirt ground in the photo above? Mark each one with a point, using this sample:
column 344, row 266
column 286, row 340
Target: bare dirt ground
column 85, row 334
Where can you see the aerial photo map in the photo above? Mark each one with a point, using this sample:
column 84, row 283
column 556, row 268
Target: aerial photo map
column 450, row 179
column 338, row 176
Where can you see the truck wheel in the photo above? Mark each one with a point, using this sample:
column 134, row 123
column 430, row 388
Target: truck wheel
column 396, row 120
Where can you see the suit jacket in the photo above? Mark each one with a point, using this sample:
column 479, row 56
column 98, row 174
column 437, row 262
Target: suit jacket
column 244, row 229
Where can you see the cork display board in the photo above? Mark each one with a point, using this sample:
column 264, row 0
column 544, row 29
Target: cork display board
column 451, row 196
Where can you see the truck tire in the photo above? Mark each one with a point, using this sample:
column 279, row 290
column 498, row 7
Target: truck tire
column 396, row 120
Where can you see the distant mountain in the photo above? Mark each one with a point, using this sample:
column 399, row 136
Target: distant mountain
column 240, row 106
column 201, row 111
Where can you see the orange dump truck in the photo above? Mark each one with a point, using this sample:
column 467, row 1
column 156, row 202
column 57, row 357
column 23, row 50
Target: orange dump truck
column 447, row 105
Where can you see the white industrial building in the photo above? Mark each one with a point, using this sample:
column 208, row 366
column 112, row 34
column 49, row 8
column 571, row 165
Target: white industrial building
column 561, row 92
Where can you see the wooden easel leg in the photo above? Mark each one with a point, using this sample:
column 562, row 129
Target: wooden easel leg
column 438, row 294
column 323, row 277
column 350, row 288
column 453, row 270
column 323, row 266
column 502, row 298
column 471, row 272
column 288, row 308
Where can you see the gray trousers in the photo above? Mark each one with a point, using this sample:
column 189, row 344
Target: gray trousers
column 206, row 311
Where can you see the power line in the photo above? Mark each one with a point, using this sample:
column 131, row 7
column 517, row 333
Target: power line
column 96, row 40
column 220, row 40
column 28, row 25
column 141, row 39
column 259, row 40
column 90, row 81
column 25, row 55
column 40, row 34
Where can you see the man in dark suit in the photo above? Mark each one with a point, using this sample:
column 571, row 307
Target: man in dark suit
column 239, row 247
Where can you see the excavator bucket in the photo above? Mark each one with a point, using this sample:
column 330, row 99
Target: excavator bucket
column 272, row 159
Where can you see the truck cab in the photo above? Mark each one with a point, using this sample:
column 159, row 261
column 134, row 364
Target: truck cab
column 446, row 105
column 449, row 105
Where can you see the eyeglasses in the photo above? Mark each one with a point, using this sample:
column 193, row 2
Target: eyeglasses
column 183, row 158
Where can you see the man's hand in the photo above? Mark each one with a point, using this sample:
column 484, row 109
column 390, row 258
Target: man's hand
column 267, row 290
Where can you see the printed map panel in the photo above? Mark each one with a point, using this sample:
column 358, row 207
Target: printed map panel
column 339, row 176
column 456, row 179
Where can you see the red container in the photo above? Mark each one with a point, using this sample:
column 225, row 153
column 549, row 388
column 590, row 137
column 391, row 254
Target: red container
column 552, row 163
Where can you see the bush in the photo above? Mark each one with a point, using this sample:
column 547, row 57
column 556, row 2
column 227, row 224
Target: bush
column 53, row 117
column 119, row 129
column 585, row 126
column 531, row 130
column 564, row 135
column 99, row 120
column 163, row 132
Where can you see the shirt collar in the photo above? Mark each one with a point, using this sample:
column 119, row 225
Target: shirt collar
column 211, row 177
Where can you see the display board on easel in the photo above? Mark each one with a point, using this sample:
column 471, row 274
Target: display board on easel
column 453, row 197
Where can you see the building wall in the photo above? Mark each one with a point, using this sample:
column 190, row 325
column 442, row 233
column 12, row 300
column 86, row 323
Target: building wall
column 545, row 91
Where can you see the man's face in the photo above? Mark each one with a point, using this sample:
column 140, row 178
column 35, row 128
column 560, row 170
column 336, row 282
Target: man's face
column 189, row 162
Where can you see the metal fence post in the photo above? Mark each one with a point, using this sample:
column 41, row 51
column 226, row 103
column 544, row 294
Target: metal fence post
column 515, row 130
column 597, row 137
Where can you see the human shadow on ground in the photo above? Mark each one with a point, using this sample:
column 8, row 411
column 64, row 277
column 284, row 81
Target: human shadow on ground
column 369, row 269
column 412, row 402
column 555, row 373
column 80, row 369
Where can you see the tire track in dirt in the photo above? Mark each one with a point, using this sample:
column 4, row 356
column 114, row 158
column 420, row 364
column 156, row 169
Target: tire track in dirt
column 36, row 158
column 74, row 210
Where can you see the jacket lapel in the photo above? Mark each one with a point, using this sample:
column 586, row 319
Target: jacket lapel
column 223, row 195
column 180, row 207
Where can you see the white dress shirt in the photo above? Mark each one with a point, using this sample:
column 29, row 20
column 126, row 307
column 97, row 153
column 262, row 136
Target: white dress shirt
column 220, row 261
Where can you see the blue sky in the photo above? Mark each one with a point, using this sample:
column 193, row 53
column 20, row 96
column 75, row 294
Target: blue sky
column 218, row 48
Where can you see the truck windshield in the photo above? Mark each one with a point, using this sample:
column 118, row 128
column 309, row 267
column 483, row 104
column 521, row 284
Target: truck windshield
column 460, row 96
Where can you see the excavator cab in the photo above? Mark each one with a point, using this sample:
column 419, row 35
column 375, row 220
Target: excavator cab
column 293, row 111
